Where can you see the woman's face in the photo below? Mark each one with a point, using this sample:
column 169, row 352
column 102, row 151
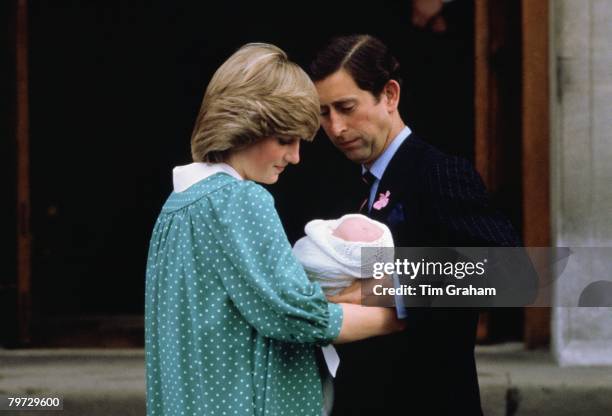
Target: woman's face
column 264, row 160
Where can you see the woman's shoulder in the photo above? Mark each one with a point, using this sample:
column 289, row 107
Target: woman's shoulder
column 218, row 189
column 242, row 196
column 198, row 191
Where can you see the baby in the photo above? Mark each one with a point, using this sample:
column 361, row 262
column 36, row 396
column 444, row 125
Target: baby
column 331, row 250
column 331, row 255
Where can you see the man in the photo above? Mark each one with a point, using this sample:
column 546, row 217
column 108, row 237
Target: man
column 427, row 199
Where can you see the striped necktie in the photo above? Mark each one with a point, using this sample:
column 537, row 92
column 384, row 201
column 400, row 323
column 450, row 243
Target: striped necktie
column 367, row 179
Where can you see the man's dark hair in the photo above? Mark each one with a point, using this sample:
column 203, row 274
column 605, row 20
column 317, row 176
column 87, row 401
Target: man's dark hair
column 364, row 57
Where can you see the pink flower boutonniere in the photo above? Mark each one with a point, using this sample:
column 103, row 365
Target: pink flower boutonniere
column 383, row 200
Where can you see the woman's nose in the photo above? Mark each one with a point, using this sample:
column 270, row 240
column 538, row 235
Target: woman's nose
column 293, row 153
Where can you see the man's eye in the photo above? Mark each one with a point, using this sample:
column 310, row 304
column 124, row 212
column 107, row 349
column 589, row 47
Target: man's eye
column 324, row 113
column 347, row 109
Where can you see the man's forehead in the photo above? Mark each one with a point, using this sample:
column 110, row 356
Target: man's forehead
column 338, row 83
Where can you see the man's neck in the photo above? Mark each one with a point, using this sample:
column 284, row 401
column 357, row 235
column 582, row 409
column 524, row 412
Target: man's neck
column 397, row 126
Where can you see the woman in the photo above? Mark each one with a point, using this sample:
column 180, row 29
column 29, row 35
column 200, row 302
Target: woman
column 231, row 319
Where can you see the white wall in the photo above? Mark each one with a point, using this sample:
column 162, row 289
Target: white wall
column 581, row 161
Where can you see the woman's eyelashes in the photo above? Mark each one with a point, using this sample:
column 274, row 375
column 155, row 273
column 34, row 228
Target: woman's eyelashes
column 286, row 142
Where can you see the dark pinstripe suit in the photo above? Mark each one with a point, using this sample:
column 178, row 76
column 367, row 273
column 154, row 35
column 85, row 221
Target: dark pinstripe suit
column 435, row 200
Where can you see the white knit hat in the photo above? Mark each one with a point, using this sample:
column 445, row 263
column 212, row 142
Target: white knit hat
column 335, row 262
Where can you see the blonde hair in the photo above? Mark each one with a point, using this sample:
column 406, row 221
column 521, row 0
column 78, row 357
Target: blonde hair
column 257, row 93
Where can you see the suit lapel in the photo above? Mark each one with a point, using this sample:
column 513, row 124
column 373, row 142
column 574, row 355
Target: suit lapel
column 399, row 177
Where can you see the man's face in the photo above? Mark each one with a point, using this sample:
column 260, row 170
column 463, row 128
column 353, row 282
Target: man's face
column 356, row 122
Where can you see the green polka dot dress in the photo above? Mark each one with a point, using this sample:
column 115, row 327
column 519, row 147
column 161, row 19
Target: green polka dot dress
column 231, row 320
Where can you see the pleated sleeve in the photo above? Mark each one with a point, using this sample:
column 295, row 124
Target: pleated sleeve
column 263, row 279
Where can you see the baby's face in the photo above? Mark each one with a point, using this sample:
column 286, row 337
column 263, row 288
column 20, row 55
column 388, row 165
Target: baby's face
column 357, row 229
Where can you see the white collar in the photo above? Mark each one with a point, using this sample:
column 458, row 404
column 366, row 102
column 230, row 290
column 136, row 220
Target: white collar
column 185, row 176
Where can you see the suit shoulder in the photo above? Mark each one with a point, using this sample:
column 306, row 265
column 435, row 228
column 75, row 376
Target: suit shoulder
column 433, row 161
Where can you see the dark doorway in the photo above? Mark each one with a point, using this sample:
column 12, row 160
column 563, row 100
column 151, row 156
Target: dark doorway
column 114, row 90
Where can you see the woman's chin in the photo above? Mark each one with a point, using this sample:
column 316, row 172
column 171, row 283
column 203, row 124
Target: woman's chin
column 272, row 180
column 269, row 180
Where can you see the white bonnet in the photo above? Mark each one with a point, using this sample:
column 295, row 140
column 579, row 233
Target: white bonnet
column 347, row 254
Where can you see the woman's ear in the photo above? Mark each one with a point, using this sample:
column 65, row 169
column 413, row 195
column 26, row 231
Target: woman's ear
column 392, row 93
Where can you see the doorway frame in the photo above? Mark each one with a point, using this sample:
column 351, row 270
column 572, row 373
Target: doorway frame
column 535, row 131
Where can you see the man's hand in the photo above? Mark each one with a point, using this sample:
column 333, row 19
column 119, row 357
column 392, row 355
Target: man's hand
column 395, row 324
column 427, row 13
column 360, row 322
column 351, row 294
column 362, row 292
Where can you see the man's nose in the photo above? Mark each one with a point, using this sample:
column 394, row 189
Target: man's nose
column 293, row 153
column 336, row 124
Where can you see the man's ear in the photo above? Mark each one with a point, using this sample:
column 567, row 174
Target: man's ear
column 392, row 93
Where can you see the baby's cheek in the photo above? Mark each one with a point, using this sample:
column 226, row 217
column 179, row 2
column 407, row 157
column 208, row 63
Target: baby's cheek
column 374, row 233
